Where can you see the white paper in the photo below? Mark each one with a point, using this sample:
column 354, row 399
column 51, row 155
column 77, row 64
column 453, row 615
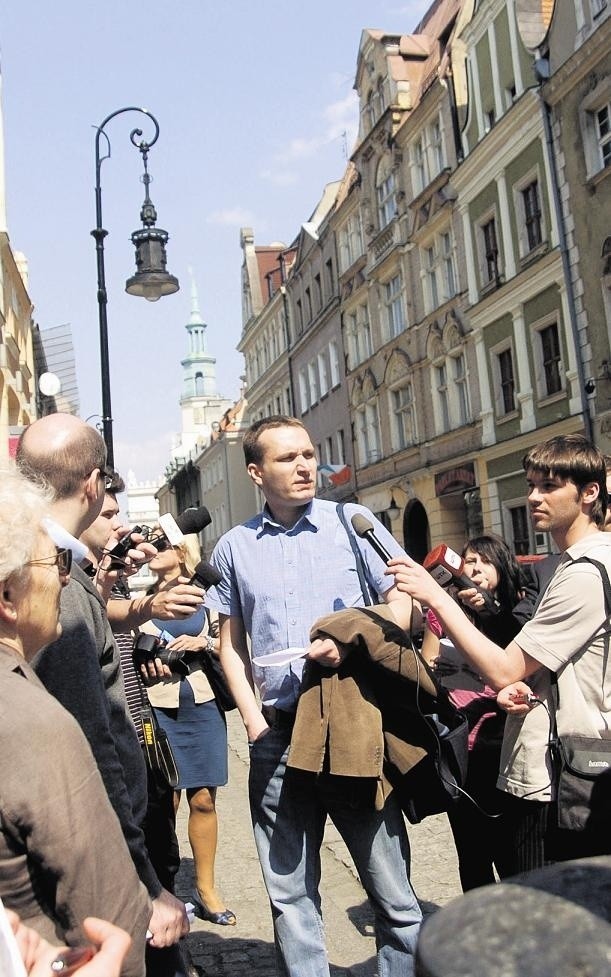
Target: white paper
column 277, row 658
column 11, row 964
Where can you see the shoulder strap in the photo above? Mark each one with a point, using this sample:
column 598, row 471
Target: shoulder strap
column 369, row 596
column 607, row 591
column 604, row 576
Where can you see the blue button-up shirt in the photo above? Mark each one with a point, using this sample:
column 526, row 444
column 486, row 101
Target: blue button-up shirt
column 280, row 581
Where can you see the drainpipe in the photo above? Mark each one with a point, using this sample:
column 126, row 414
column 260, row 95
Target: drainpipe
column 542, row 72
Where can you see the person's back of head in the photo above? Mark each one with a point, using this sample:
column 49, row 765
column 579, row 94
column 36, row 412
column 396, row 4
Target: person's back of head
column 253, row 453
column 60, row 450
column 573, row 458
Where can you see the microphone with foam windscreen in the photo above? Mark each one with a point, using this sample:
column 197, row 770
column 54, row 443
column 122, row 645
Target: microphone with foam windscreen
column 190, row 521
column 205, row 575
column 364, row 529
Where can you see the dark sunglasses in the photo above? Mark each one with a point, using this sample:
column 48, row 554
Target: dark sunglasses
column 162, row 544
column 62, row 560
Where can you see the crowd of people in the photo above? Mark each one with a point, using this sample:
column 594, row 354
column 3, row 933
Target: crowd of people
column 296, row 579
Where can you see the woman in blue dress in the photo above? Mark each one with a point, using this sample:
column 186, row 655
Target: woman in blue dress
column 186, row 709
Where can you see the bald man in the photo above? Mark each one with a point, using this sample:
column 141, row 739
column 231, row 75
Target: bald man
column 82, row 669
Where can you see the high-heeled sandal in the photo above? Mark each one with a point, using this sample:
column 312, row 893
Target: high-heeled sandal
column 225, row 918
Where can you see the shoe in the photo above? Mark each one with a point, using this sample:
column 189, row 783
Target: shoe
column 225, row 918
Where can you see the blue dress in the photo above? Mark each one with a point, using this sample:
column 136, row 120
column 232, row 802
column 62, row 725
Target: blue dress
column 196, row 730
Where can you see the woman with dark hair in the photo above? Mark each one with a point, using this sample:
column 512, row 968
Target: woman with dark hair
column 481, row 823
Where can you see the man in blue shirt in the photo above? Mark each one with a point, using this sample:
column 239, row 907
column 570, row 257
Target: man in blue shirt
column 282, row 570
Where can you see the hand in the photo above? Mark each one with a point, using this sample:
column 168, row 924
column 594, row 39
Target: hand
column 472, row 598
column 413, row 579
column 168, row 922
column 188, row 642
column 326, row 652
column 513, row 699
column 154, row 670
column 177, row 602
column 38, row 955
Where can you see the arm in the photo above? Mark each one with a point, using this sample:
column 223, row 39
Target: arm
column 236, row 665
column 499, row 666
column 175, row 603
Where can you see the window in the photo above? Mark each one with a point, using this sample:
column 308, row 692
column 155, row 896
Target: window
column 550, row 357
column 603, row 132
column 520, row 529
column 440, row 283
column 329, row 276
column 334, row 363
column 318, row 292
column 303, row 391
column 368, row 433
column 313, row 382
column 506, row 399
column 490, row 252
column 385, row 193
column 419, row 166
column 299, row 316
column 308, row 297
column 404, row 417
column 393, row 292
column 341, row 447
column 532, row 214
column 441, row 386
column 451, row 392
column 350, row 242
column 432, row 292
column 359, row 336
column 461, row 388
column 323, row 374
column 329, row 450
column 436, row 138
column 595, row 122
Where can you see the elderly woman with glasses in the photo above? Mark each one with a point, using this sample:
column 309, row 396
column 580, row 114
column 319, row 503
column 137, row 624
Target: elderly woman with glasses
column 62, row 854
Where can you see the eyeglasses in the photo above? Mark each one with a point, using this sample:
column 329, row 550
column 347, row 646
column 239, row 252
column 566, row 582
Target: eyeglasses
column 108, row 475
column 162, row 544
column 62, row 560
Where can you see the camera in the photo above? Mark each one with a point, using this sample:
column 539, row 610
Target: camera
column 147, row 647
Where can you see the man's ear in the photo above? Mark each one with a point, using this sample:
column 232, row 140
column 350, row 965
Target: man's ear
column 254, row 473
column 590, row 492
column 92, row 484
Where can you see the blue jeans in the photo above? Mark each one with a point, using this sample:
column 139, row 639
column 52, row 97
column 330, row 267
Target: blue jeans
column 288, row 809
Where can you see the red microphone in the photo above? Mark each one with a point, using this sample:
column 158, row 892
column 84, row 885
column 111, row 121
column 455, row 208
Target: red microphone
column 447, row 567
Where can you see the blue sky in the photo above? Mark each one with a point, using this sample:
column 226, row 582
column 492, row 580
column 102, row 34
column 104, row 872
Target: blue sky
column 252, row 99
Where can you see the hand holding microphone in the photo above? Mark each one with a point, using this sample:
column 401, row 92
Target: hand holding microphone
column 447, row 568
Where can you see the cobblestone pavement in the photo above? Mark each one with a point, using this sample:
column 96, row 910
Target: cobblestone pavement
column 247, row 950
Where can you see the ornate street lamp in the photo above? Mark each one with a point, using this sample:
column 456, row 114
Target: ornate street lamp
column 151, row 279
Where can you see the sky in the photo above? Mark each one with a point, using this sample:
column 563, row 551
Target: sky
column 256, row 110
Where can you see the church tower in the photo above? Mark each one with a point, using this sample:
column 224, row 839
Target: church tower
column 200, row 402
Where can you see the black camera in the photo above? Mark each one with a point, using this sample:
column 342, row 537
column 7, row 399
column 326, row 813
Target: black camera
column 147, row 647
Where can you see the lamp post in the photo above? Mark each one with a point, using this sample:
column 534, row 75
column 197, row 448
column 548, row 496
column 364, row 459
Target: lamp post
column 151, row 279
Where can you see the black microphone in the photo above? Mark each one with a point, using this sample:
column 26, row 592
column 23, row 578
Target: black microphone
column 364, row 529
column 205, row 575
column 193, row 520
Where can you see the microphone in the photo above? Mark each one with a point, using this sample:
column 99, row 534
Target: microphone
column 364, row 529
column 205, row 575
column 192, row 520
column 447, row 567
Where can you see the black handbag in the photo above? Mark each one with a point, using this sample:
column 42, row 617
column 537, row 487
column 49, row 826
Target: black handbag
column 213, row 671
column 157, row 747
column 582, row 764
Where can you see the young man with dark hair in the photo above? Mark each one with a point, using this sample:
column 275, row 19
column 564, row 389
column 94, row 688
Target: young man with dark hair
column 566, row 641
column 281, row 571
